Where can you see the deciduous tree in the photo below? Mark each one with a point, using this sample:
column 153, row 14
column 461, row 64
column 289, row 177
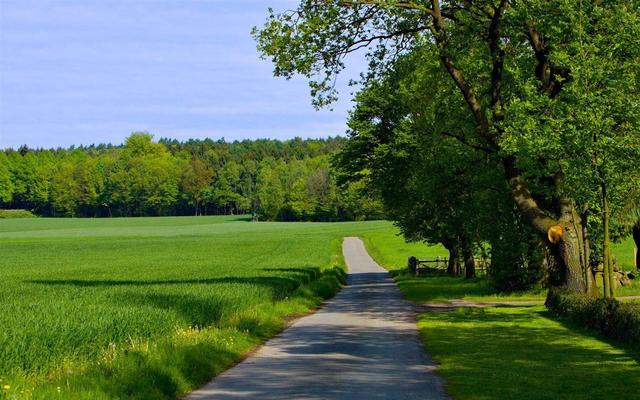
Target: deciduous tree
column 537, row 78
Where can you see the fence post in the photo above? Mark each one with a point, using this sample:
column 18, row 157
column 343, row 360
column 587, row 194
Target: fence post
column 413, row 263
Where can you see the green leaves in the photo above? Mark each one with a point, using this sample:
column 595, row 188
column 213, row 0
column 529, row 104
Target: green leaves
column 6, row 183
column 313, row 39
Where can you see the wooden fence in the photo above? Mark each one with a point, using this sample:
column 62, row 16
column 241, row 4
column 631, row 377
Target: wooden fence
column 417, row 265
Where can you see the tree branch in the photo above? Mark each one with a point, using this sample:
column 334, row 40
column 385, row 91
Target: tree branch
column 466, row 142
column 448, row 12
column 497, row 56
column 524, row 200
column 551, row 77
column 473, row 102
column 409, row 5
column 365, row 42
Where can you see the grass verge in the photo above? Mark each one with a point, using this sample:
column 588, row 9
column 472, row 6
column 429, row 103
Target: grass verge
column 171, row 366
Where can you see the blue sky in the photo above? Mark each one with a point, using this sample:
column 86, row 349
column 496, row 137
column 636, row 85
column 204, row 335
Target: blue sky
column 82, row 72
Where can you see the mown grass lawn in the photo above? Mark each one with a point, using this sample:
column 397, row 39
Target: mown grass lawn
column 152, row 307
column 390, row 250
column 522, row 353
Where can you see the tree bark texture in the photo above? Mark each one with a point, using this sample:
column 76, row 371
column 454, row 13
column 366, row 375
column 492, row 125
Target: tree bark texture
column 454, row 257
column 570, row 248
column 469, row 262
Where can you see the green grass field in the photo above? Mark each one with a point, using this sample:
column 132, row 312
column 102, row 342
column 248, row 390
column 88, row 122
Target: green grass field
column 104, row 308
column 153, row 307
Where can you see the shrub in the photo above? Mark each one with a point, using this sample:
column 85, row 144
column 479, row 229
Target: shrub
column 516, row 257
column 615, row 320
column 16, row 214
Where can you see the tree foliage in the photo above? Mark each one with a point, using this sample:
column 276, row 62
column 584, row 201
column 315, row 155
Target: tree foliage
column 546, row 91
column 290, row 180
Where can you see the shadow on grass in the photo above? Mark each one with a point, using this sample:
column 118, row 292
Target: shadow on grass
column 305, row 274
column 434, row 287
column 170, row 366
column 167, row 373
column 292, row 279
column 271, row 281
column 197, row 310
column 571, row 325
column 521, row 353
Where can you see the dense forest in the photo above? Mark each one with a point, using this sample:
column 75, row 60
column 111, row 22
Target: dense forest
column 274, row 180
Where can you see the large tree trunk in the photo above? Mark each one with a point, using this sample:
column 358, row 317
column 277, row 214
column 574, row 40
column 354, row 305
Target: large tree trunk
column 636, row 239
column 579, row 277
column 454, row 262
column 454, row 257
column 564, row 236
column 570, row 253
column 469, row 262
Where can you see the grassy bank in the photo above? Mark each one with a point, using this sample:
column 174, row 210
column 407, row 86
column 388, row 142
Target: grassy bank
column 152, row 307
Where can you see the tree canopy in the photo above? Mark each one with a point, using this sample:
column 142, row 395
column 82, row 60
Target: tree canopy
column 546, row 92
column 287, row 180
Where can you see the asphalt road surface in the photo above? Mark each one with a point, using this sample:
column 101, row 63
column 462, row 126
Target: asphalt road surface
column 362, row 344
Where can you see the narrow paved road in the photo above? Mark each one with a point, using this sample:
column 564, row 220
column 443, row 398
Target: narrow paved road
column 363, row 344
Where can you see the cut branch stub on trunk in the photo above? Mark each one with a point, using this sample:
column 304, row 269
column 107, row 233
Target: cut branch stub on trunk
column 555, row 234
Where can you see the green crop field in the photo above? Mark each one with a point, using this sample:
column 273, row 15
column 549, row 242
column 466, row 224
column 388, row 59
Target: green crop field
column 103, row 308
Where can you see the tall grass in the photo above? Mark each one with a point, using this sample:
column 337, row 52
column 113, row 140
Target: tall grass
column 152, row 307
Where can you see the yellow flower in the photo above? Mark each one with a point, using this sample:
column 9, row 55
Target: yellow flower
column 6, row 387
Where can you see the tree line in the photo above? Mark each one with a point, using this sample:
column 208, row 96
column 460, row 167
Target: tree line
column 499, row 126
column 274, row 180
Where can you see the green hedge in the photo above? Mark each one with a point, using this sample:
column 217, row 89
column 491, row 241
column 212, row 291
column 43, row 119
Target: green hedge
column 16, row 214
column 615, row 320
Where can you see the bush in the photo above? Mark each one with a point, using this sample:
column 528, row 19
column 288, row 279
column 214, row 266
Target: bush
column 516, row 256
column 615, row 320
column 16, row 214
